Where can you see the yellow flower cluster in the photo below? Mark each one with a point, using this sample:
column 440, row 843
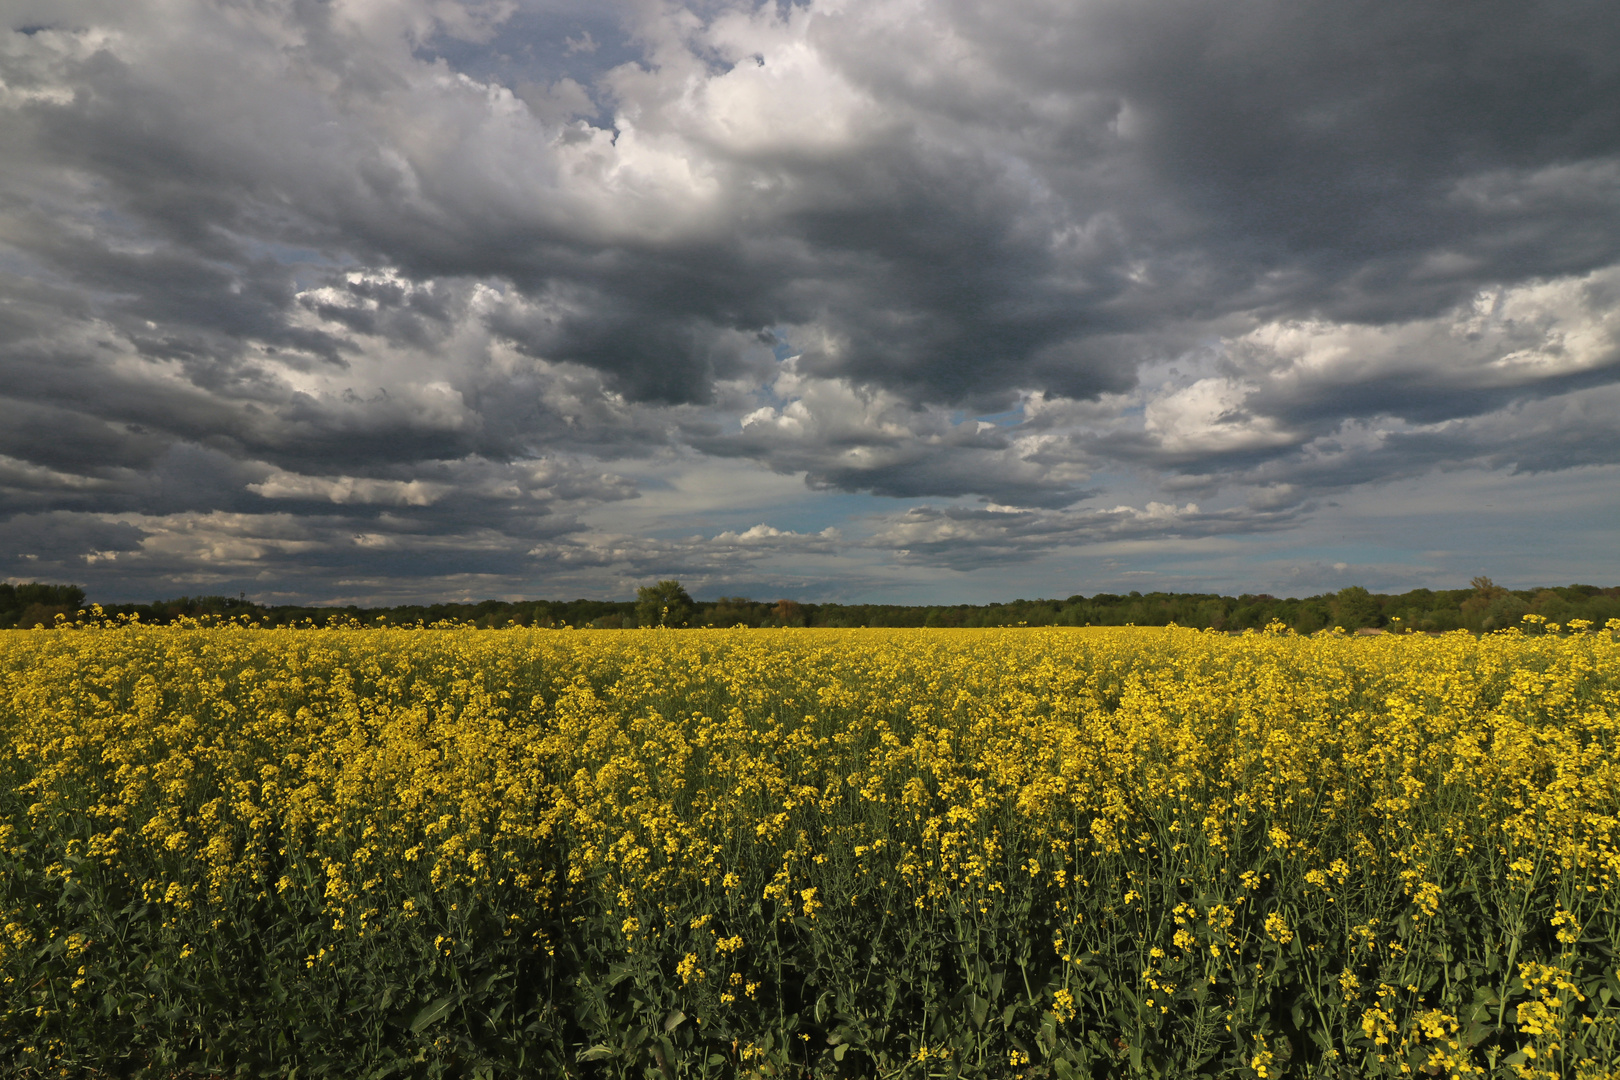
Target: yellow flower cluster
column 1207, row 814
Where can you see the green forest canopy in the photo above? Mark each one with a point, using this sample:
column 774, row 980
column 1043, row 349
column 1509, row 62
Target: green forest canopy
column 1481, row 607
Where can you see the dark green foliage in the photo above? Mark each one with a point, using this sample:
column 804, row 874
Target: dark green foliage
column 664, row 604
column 1482, row 608
column 856, row 992
column 37, row 604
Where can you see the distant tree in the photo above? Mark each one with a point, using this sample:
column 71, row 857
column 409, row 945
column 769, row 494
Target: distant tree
column 1355, row 607
column 788, row 613
column 663, row 604
column 15, row 597
column 734, row 611
column 37, row 603
column 1485, row 610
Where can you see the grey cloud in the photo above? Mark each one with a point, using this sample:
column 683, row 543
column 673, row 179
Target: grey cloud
column 859, row 439
column 1575, row 430
column 453, row 494
column 764, row 538
column 949, row 246
column 1542, row 435
column 1289, row 397
column 1537, row 339
column 364, row 265
column 44, row 539
column 314, row 550
column 693, row 555
column 969, row 539
column 73, row 442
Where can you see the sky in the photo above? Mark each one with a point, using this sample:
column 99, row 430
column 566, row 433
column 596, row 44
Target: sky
column 379, row 301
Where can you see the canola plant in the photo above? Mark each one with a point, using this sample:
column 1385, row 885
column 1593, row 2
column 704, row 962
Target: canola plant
column 1062, row 853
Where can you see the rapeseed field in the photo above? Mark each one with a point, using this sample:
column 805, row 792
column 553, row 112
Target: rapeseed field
column 227, row 850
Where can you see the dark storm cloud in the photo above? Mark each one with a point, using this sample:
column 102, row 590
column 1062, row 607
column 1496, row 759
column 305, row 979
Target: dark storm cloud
column 1190, row 162
column 38, row 540
column 967, row 539
column 66, row 441
column 861, row 439
column 260, row 261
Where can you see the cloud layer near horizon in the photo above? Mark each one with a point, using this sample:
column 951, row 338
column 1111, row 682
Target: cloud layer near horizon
column 385, row 299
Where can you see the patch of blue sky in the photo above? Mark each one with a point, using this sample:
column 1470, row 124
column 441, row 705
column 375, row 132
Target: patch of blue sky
column 310, row 267
column 16, row 261
column 294, row 254
column 845, row 510
column 540, row 44
column 811, row 511
column 1005, row 418
column 1134, row 407
column 1346, row 554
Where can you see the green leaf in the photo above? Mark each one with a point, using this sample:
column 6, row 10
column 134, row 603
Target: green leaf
column 664, row 1052
column 431, row 1015
column 598, row 1052
column 1047, row 1038
column 998, row 976
column 672, row 1020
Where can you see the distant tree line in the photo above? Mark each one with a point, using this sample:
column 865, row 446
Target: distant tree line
column 1482, row 607
column 34, row 603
